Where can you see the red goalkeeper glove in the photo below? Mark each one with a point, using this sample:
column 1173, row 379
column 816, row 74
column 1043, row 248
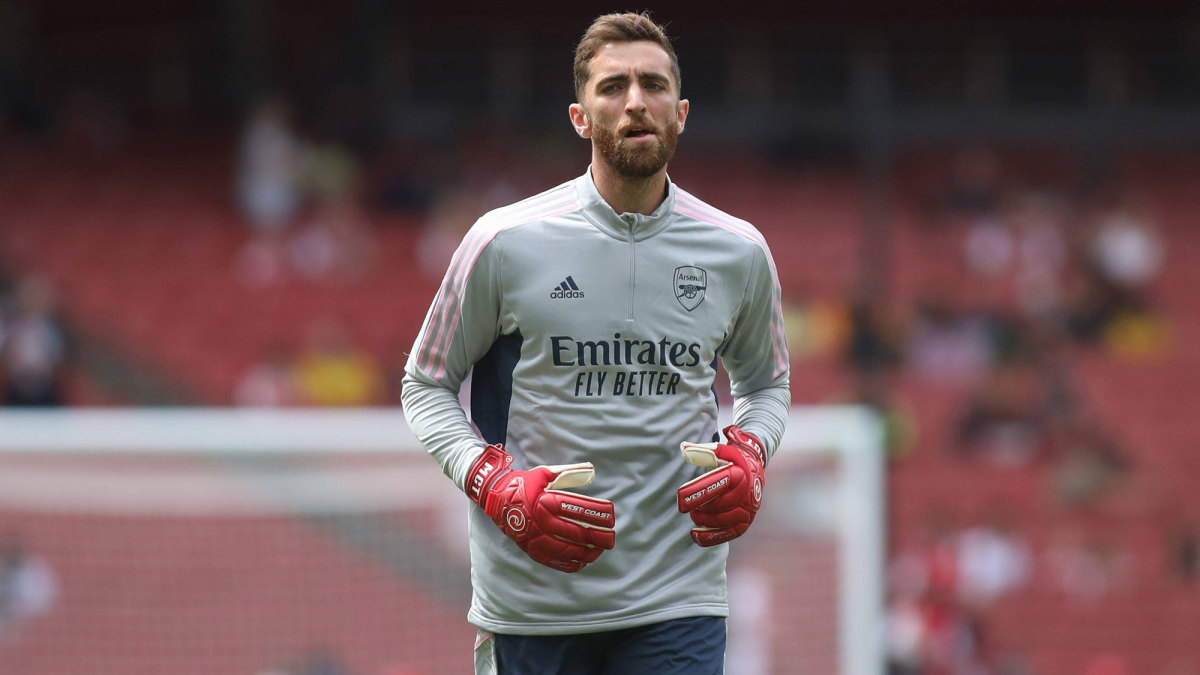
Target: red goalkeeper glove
column 558, row 529
column 723, row 501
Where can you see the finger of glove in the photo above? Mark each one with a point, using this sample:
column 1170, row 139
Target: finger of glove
column 560, row 564
column 699, row 491
column 577, row 533
column 580, row 508
column 576, row 518
column 722, row 519
column 737, row 493
column 567, row 476
column 703, row 455
column 708, row 537
column 548, row 546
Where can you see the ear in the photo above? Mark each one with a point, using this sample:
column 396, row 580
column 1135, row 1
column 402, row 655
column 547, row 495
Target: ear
column 579, row 120
column 681, row 112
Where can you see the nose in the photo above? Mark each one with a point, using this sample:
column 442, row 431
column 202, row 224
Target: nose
column 635, row 101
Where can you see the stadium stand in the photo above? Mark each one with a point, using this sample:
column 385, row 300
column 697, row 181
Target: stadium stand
column 144, row 260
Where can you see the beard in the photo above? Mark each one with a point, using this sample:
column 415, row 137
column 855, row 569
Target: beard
column 640, row 160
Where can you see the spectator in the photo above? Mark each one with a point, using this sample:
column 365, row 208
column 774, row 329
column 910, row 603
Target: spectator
column 269, row 166
column 333, row 371
column 1111, row 303
column 331, row 173
column 271, row 382
column 33, row 348
column 336, row 245
column 1004, row 422
column 28, row 587
column 953, row 637
column 993, row 560
column 1127, row 246
column 1087, row 567
column 947, row 344
column 268, row 190
column 262, row 261
column 817, row 327
column 905, row 635
column 1089, row 463
column 872, row 343
column 931, row 563
column 1037, row 220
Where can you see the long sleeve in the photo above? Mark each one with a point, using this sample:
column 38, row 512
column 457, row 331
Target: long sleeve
column 437, row 418
column 462, row 324
column 755, row 355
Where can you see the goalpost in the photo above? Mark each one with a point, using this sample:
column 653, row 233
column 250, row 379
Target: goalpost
column 246, row 542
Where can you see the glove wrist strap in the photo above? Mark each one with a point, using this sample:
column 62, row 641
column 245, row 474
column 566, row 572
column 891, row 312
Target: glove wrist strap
column 747, row 440
column 490, row 466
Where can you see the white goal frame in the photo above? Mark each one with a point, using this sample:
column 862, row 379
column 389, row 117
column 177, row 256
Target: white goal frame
column 851, row 433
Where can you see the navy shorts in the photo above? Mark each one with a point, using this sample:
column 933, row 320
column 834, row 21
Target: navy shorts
column 692, row 646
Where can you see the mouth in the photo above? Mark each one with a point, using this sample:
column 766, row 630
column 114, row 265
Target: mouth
column 638, row 132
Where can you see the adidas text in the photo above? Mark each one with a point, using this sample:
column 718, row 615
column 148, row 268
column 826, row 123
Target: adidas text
column 566, row 294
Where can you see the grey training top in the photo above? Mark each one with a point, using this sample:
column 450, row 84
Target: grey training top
column 594, row 337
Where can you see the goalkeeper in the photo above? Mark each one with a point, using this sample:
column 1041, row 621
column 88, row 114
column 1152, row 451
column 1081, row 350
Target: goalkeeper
column 591, row 318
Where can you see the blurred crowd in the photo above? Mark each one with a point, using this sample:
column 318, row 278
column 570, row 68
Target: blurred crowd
column 1025, row 271
column 1022, row 279
column 28, row 587
column 330, row 369
column 301, row 196
column 307, row 193
column 1019, row 279
column 33, row 345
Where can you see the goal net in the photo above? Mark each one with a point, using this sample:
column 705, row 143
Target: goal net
column 306, row 542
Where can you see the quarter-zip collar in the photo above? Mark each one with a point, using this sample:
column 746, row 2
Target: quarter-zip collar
column 624, row 226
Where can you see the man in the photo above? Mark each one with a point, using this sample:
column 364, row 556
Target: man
column 593, row 316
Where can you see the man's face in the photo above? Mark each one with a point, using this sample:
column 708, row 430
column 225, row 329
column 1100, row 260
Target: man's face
column 631, row 108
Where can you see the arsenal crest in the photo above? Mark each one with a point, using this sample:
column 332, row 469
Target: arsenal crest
column 689, row 286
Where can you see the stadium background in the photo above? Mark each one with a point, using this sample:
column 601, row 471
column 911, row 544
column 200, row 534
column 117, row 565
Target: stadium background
column 984, row 221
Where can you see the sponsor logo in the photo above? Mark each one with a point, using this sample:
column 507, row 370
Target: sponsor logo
column 575, row 508
column 707, row 491
column 758, row 488
column 566, row 289
column 619, row 351
column 480, row 476
column 621, row 366
column 515, row 518
column 689, row 284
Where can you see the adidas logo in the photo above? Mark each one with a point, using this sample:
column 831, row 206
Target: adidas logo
column 566, row 289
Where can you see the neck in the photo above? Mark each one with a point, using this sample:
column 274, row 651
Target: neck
column 630, row 195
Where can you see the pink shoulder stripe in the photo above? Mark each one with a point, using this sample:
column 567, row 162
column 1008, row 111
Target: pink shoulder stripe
column 715, row 216
column 690, row 206
column 444, row 314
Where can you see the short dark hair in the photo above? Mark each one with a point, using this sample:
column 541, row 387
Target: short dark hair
column 624, row 27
